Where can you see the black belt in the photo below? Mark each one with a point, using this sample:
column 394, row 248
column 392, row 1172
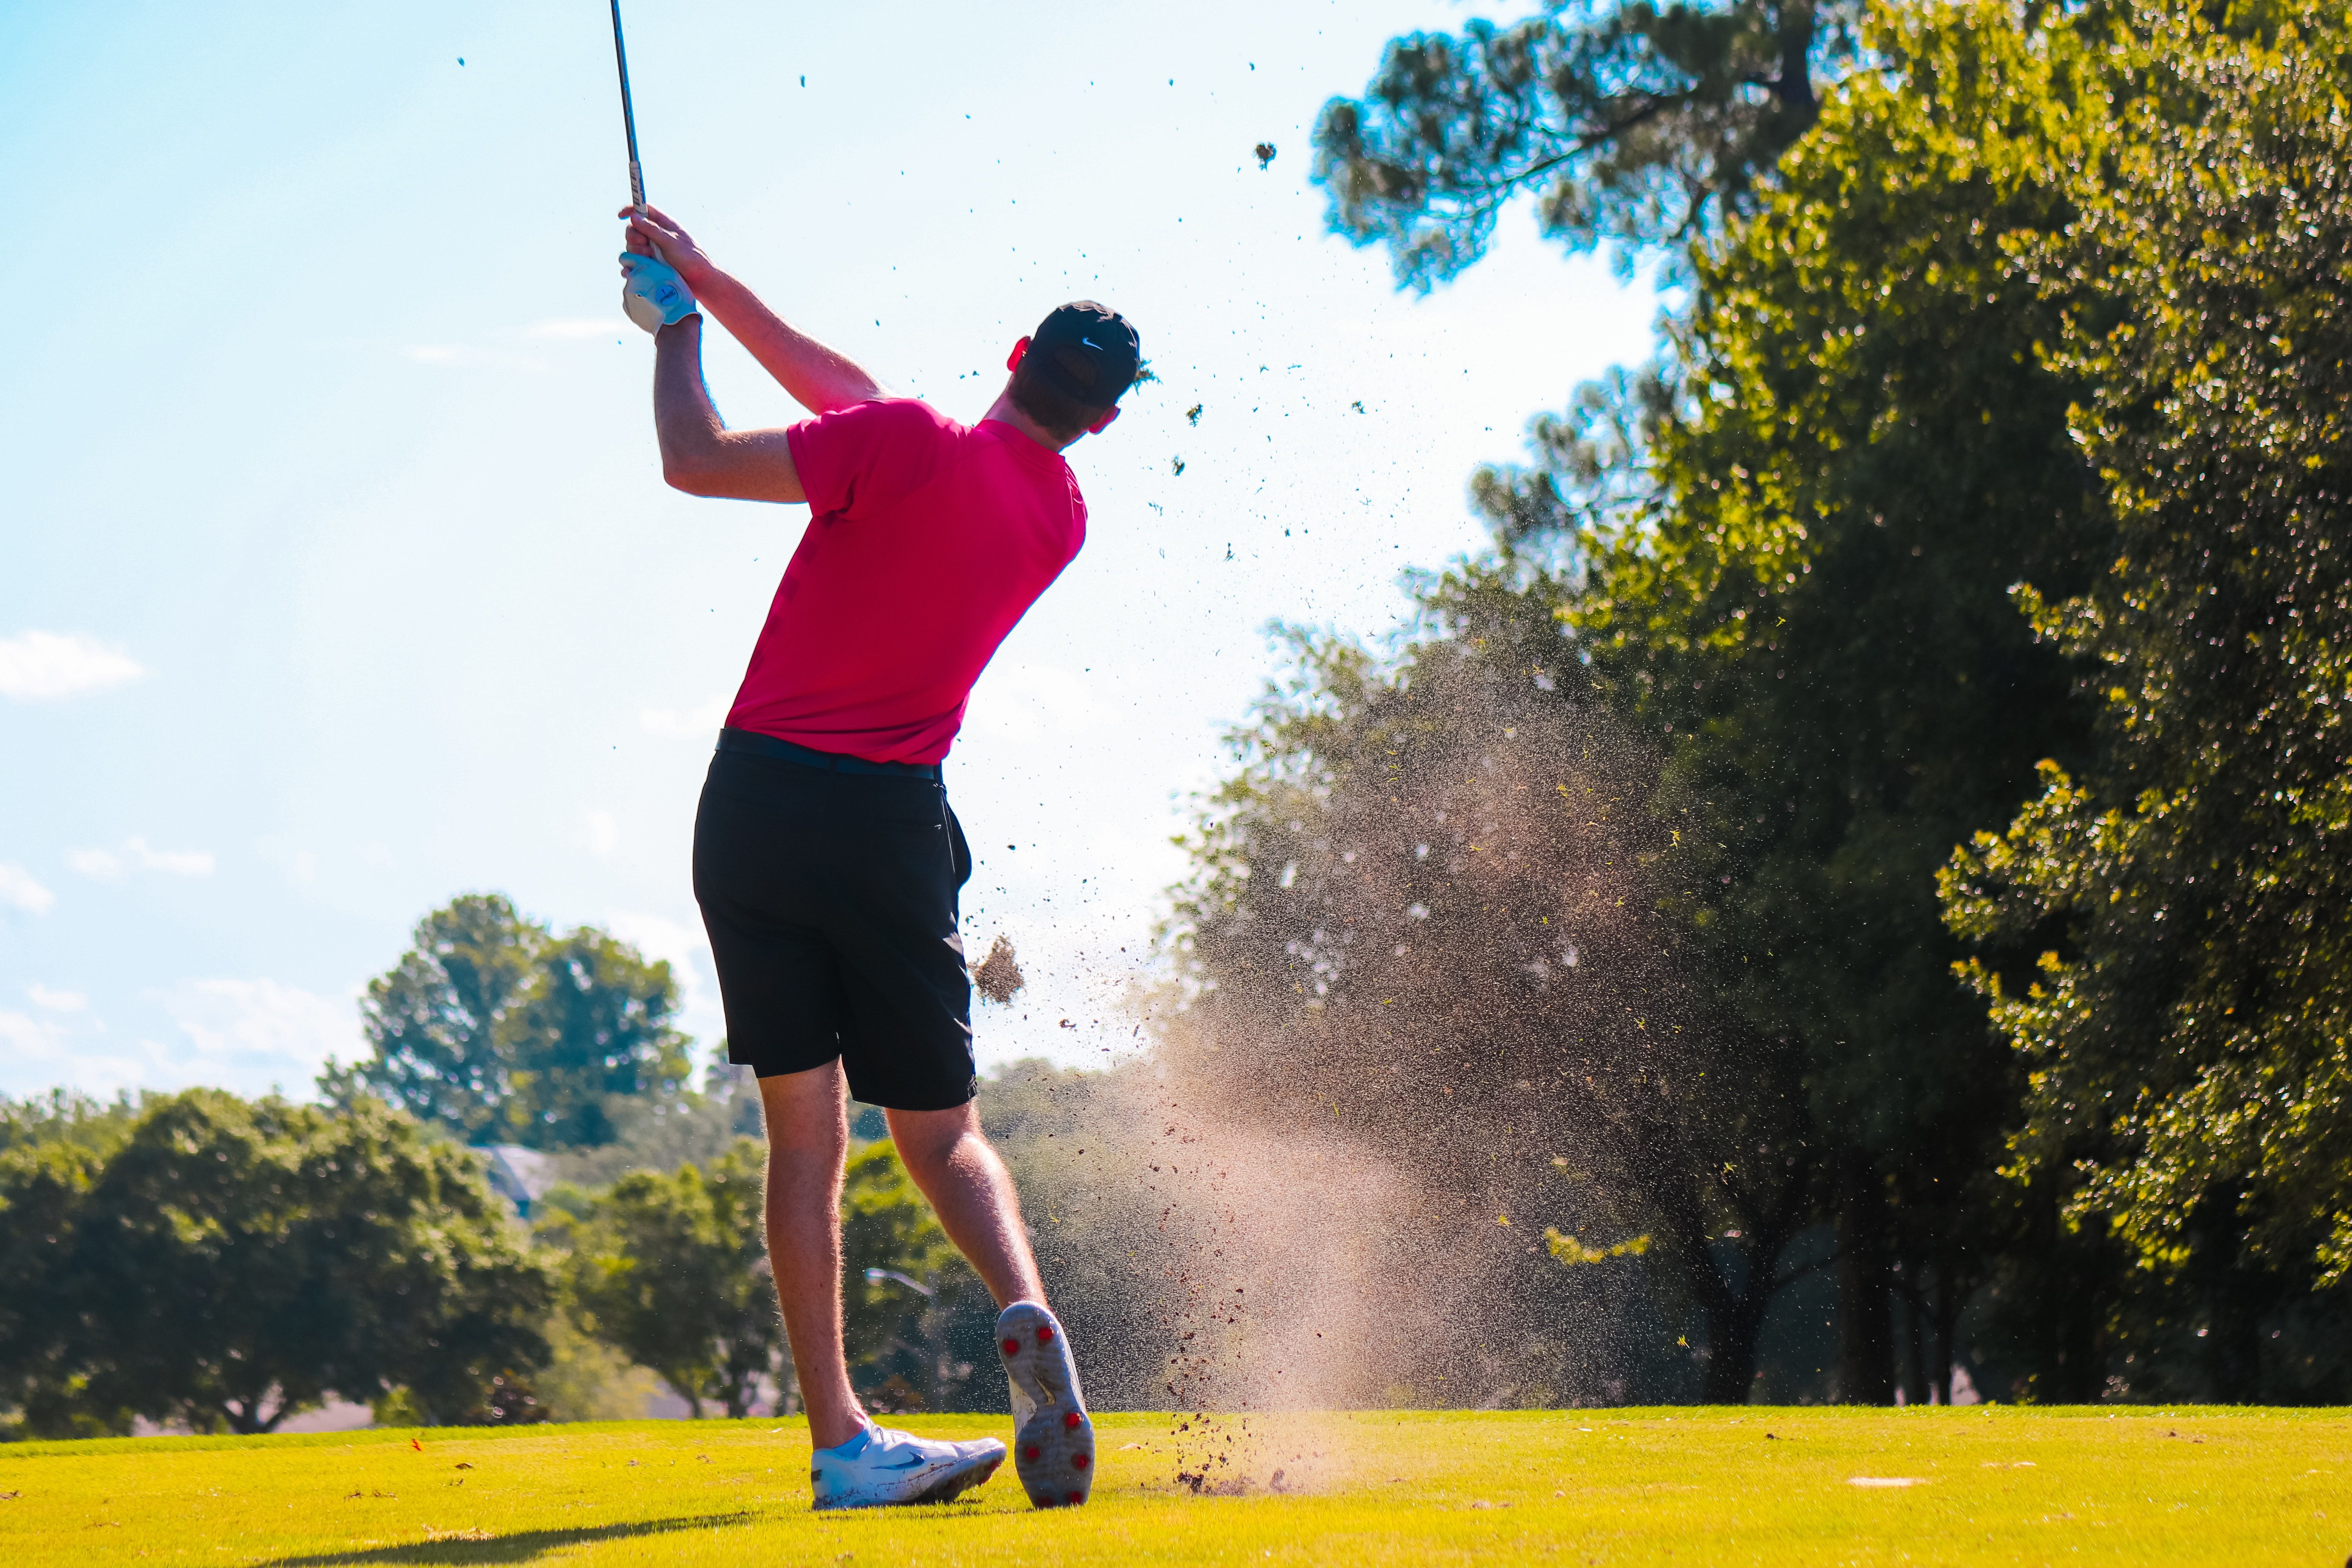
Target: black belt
column 758, row 745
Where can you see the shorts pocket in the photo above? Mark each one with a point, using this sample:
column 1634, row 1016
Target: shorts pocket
column 958, row 848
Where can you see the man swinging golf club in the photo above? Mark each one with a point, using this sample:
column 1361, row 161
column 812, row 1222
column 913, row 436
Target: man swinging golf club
column 827, row 859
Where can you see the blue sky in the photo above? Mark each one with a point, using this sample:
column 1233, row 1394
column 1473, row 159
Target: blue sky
column 336, row 572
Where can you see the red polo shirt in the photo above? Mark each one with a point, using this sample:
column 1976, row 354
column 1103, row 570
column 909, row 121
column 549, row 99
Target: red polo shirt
column 926, row 543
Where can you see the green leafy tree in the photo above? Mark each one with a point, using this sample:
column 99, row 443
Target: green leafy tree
column 52, row 1147
column 231, row 1263
column 503, row 1032
column 2181, row 900
column 1629, row 124
column 1865, row 454
column 670, row 1269
column 1433, row 911
column 1784, row 554
column 43, row 1379
column 907, row 1349
column 66, row 1117
column 661, row 1133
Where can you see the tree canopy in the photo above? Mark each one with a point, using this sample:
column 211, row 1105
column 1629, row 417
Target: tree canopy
column 1977, row 321
column 503, row 1031
column 669, row 1268
column 2178, row 903
column 1630, row 123
column 230, row 1262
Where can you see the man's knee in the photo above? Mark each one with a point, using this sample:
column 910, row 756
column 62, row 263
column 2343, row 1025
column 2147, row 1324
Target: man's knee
column 929, row 1141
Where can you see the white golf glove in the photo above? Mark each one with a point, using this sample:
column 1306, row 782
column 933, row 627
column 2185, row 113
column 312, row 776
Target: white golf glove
column 654, row 296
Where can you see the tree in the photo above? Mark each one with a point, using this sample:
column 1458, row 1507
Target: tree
column 2180, row 901
column 903, row 1343
column 1432, row 912
column 52, row 1147
column 1630, row 124
column 63, row 1116
column 1865, row 454
column 503, row 1032
column 669, row 1268
column 1784, row 554
column 44, row 1189
column 234, row 1262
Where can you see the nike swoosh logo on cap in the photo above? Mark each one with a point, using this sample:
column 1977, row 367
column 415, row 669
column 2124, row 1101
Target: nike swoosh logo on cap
column 1092, row 344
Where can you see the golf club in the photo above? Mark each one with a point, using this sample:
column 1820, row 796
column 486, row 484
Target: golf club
column 654, row 293
column 628, row 114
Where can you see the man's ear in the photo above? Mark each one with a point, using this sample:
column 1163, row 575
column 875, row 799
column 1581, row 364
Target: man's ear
column 1012, row 360
column 1104, row 423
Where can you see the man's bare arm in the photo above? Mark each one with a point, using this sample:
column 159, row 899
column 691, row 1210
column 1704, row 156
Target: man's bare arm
column 699, row 455
column 819, row 378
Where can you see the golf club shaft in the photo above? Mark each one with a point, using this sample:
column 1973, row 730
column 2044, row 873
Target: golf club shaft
column 628, row 113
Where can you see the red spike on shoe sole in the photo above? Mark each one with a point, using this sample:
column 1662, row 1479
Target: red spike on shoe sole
column 1070, row 1419
column 1013, row 1347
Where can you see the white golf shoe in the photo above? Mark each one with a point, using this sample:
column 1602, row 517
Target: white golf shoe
column 884, row 1467
column 1053, row 1438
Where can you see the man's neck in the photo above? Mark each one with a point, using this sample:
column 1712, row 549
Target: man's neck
column 1004, row 409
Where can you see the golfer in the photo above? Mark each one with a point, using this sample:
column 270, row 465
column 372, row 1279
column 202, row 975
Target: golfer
column 827, row 859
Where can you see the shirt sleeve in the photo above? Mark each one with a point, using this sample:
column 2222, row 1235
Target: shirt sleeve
column 855, row 461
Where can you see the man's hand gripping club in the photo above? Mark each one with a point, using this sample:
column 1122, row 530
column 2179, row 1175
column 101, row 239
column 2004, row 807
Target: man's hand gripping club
column 672, row 282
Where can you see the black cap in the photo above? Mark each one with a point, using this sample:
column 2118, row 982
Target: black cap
column 1104, row 343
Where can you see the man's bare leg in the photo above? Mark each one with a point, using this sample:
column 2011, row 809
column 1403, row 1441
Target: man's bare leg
column 972, row 1191
column 808, row 1135
column 972, row 1194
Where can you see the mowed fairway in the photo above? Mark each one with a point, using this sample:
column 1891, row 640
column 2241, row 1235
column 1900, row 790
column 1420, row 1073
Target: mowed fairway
column 1752, row 1486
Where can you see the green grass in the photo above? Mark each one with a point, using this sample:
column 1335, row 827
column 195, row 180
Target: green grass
column 2186, row 1487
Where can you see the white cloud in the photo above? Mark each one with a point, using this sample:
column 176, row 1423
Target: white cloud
column 135, row 854
column 578, row 327
column 40, row 1054
column 700, row 723
column 19, row 891
column 246, row 1036
column 38, row 665
column 57, row 1001
column 36, row 1039
column 252, row 1035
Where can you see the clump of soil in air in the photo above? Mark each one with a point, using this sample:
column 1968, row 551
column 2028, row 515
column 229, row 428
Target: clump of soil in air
column 998, row 975
column 1264, row 151
column 1193, row 413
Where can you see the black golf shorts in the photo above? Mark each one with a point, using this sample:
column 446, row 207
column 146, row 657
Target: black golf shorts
column 830, row 899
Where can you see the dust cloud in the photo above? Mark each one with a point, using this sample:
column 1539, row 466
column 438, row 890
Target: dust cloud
column 1422, row 1014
